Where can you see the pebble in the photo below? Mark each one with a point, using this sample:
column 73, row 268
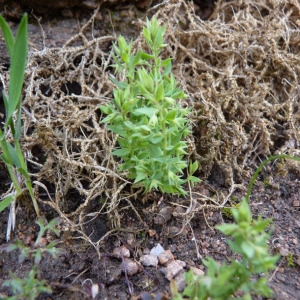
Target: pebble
column 283, row 251
column 180, row 282
column 165, row 257
column 164, row 215
column 149, row 260
column 157, row 250
column 173, row 269
column 121, row 252
column 197, row 271
column 130, row 266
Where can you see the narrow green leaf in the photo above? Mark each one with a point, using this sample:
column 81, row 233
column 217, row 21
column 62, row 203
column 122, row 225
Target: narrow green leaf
column 8, row 36
column 136, row 58
column 149, row 111
column 13, row 154
column 120, row 85
column 168, row 66
column 17, row 67
column 160, row 93
column 6, row 202
column 106, row 109
column 121, row 152
column 146, row 56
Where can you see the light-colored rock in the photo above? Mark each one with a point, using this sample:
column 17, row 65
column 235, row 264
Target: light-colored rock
column 173, row 269
column 149, row 260
column 197, row 271
column 121, row 252
column 181, row 262
column 157, row 250
column 165, row 257
column 130, row 266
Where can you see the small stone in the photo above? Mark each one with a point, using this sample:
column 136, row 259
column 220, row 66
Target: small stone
column 151, row 232
column 164, row 215
column 130, row 239
column 173, row 269
column 121, row 252
column 284, row 252
column 180, row 282
column 181, row 262
column 149, row 260
column 165, row 257
column 196, row 271
column 157, row 250
column 296, row 203
column 178, row 211
column 130, row 266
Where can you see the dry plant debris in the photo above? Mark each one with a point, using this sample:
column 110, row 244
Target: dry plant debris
column 240, row 69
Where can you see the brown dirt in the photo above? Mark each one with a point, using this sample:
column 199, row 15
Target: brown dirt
column 240, row 69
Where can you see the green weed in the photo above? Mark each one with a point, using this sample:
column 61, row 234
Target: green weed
column 249, row 239
column 30, row 286
column 290, row 260
column 145, row 113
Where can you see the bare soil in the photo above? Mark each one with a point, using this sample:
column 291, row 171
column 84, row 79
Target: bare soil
column 140, row 222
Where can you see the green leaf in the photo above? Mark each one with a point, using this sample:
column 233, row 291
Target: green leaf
column 13, row 154
column 159, row 95
column 193, row 167
column 106, row 109
column 227, row 229
column 261, row 226
column 17, row 67
column 6, row 202
column 121, row 152
column 137, row 58
column 123, row 46
column 248, row 249
column 156, row 138
column 120, row 85
column 146, row 56
column 8, row 36
column 148, row 111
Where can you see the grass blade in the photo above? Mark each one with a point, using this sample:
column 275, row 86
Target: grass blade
column 6, row 202
column 17, row 67
column 8, row 36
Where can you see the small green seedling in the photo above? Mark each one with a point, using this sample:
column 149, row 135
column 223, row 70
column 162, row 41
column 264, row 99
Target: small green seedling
column 30, row 286
column 290, row 260
column 145, row 113
column 10, row 134
column 249, row 239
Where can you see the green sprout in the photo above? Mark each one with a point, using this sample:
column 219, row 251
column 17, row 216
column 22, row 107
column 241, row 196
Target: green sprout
column 249, row 239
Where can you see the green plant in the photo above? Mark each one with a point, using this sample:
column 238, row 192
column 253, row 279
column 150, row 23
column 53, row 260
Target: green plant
column 290, row 260
column 223, row 281
column 249, row 240
column 30, row 286
column 12, row 155
column 27, row 288
column 145, row 113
